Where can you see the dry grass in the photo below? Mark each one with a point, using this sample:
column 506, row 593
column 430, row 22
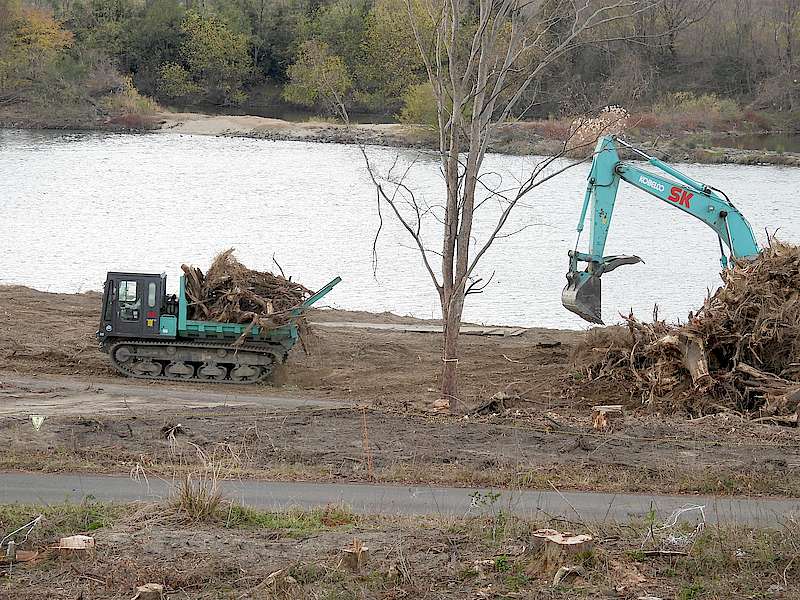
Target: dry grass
column 198, row 497
column 295, row 555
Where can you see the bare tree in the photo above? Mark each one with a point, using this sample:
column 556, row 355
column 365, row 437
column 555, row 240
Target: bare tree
column 677, row 14
column 483, row 59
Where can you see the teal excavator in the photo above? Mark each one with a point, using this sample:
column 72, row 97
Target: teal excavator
column 582, row 294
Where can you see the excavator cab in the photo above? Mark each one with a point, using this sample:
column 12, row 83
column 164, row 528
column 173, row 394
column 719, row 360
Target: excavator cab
column 132, row 305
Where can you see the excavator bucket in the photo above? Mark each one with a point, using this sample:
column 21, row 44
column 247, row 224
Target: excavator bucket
column 582, row 295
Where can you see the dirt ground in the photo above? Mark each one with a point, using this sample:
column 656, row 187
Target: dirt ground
column 243, row 554
column 42, row 333
column 370, row 421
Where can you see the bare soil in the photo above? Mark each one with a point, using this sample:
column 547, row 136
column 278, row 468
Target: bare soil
column 370, row 420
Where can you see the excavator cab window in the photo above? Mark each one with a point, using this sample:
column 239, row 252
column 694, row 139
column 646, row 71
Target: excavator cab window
column 128, row 301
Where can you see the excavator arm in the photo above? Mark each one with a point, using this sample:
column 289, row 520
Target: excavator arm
column 582, row 294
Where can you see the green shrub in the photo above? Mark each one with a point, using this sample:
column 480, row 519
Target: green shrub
column 128, row 108
column 419, row 106
column 174, row 82
column 706, row 109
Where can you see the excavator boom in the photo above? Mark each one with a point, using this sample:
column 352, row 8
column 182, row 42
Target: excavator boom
column 582, row 294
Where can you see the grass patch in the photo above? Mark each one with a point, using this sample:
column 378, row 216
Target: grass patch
column 693, row 591
column 291, row 522
column 59, row 520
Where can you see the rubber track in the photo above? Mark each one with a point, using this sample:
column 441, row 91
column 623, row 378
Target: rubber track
column 193, row 379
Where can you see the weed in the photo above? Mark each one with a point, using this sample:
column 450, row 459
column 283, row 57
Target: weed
column 480, row 499
column 691, row 592
column 198, row 497
column 466, row 573
column 502, row 564
column 637, row 555
column 517, row 581
column 307, row 574
column 586, row 559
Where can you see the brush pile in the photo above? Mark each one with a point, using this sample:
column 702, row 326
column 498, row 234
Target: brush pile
column 741, row 351
column 229, row 292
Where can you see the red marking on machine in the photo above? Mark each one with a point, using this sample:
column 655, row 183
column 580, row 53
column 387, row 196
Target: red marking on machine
column 151, row 314
column 680, row 196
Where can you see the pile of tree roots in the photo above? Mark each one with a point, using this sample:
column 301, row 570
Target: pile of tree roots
column 229, row 292
column 740, row 351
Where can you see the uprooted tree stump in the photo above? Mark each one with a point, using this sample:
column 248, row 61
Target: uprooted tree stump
column 229, row 292
column 554, row 550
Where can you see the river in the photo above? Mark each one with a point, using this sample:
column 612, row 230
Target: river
column 75, row 205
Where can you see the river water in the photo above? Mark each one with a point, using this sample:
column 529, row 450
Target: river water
column 75, row 205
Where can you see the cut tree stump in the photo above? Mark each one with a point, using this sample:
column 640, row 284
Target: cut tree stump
column 149, row 591
column 75, row 545
column 354, row 558
column 557, row 550
column 19, row 556
column 604, row 416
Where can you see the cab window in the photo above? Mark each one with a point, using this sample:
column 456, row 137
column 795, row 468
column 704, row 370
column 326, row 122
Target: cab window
column 109, row 307
column 151, row 295
column 128, row 301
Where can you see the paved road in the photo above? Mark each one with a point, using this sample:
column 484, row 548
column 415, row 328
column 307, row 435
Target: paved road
column 53, row 395
column 403, row 500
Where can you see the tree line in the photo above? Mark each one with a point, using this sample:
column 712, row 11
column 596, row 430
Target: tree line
column 362, row 54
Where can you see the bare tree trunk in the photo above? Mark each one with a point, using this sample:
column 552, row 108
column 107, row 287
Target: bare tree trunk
column 452, row 310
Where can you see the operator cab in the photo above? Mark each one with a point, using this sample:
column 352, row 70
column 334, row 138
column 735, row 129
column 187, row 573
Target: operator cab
column 132, row 306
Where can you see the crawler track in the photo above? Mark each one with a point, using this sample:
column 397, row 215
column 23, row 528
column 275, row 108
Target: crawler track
column 206, row 362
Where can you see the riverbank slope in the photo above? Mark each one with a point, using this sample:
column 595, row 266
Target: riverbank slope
column 518, row 138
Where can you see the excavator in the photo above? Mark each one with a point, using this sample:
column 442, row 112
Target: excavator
column 582, row 294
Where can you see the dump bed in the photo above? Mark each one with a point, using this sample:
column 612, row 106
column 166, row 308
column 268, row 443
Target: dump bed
column 286, row 335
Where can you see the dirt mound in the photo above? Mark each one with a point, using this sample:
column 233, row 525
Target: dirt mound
column 231, row 293
column 739, row 352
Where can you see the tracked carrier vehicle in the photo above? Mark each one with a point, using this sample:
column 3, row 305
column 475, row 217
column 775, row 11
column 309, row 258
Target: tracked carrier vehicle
column 148, row 335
